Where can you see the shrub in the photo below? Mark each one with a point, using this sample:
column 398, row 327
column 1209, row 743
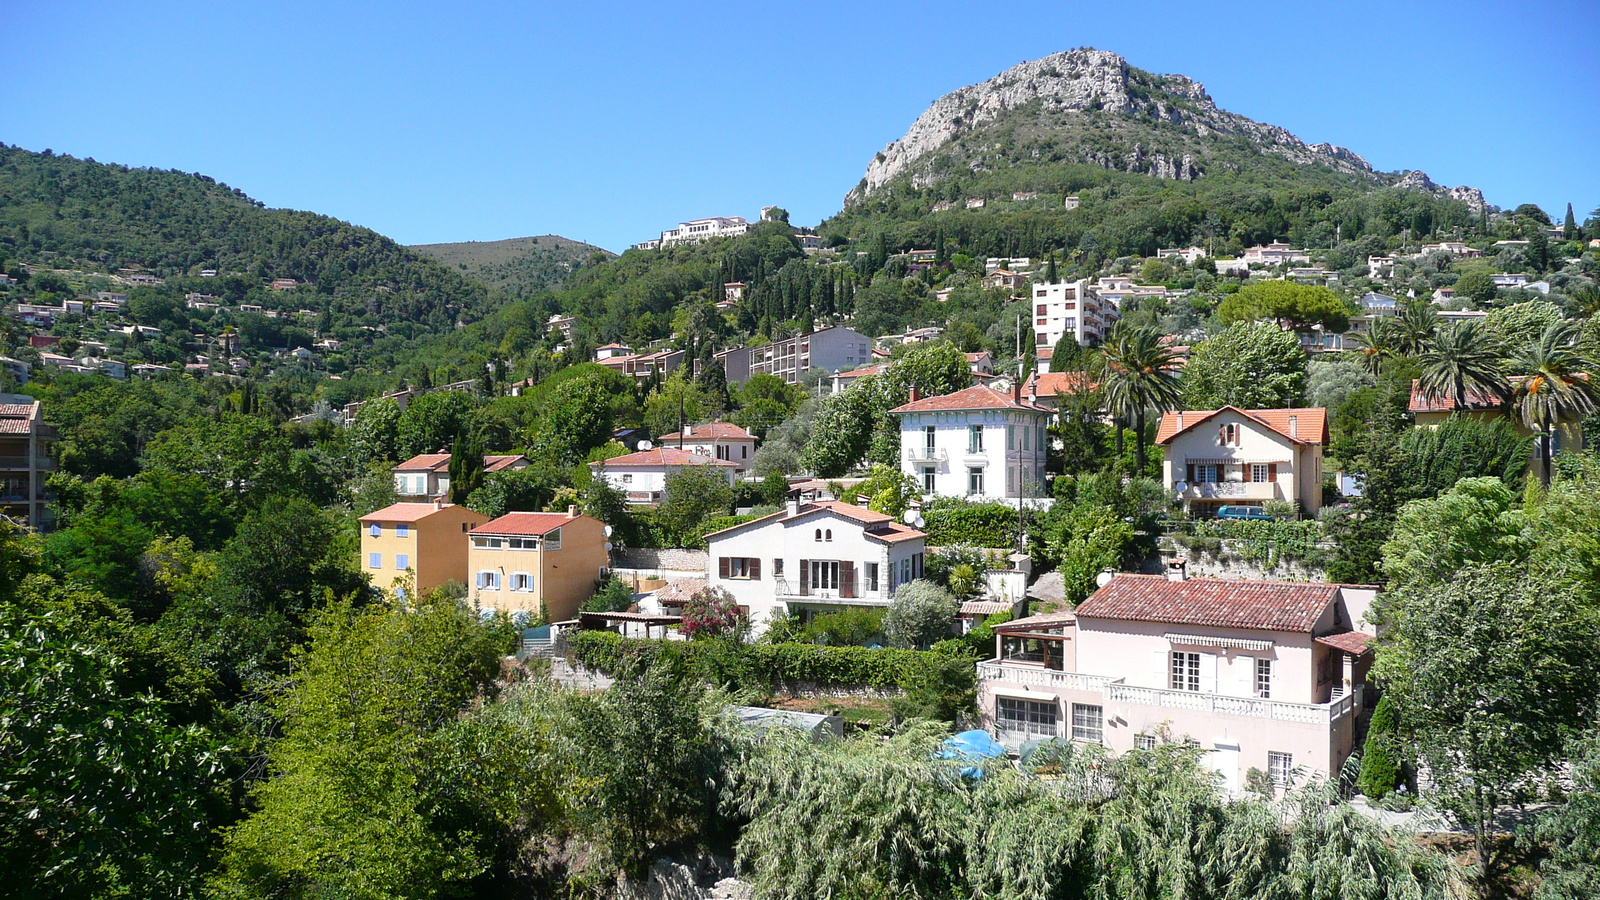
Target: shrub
column 949, row 522
column 919, row 615
column 711, row 613
column 610, row 595
column 1380, row 771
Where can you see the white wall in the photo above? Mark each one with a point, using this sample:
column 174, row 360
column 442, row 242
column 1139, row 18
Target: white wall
column 951, row 436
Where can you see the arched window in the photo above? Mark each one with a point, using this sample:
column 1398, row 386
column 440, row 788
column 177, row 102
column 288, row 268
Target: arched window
column 819, row 535
column 829, row 536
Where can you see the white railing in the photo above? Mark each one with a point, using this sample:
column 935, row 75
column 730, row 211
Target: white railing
column 1239, row 490
column 925, row 454
column 995, row 670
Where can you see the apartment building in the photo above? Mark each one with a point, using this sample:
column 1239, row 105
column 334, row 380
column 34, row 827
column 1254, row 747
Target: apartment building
column 427, row 540
column 832, row 349
column 1071, row 307
column 977, row 443
column 812, row 558
column 543, row 564
column 696, row 230
column 25, row 462
column 1243, row 457
column 427, row 477
column 1260, row 674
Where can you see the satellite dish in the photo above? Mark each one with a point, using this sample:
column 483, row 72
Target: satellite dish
column 606, row 531
column 1181, row 486
column 918, row 523
column 608, row 546
column 910, row 517
column 646, row 445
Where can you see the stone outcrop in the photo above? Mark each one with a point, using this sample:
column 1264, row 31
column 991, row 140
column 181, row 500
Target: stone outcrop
column 1084, row 80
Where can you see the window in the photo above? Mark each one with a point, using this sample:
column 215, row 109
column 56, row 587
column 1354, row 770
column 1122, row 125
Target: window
column 1011, row 481
column 827, row 535
column 817, row 535
column 1259, row 472
column 1041, row 309
column 870, row 576
column 1185, row 671
column 1279, row 767
column 974, row 480
column 374, row 560
column 402, row 530
column 375, row 530
column 1328, row 667
column 488, row 543
column 488, row 581
column 1011, row 438
column 928, row 432
column 1144, row 741
column 742, row 567
column 627, row 478
column 1263, row 678
column 1205, row 474
column 824, row 575
column 974, row 438
column 1027, row 719
column 928, row 473
column 521, row 581
column 1088, row 723
column 402, row 561
column 1230, row 434
column 777, row 567
column 552, row 541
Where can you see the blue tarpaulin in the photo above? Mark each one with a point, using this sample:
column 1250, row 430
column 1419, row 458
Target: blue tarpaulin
column 972, row 746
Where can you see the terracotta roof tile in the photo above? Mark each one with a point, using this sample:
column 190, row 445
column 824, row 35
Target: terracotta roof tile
column 1043, row 620
column 1475, row 399
column 1354, row 642
column 661, row 456
column 713, row 431
column 979, row 397
column 1311, row 424
column 16, row 410
column 440, row 462
column 1263, row 605
column 677, row 593
column 1049, row 384
column 409, row 512
column 15, row 426
column 524, row 523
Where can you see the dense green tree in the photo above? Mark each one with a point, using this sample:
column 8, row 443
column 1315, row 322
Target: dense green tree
column 1380, row 765
column 240, row 458
column 1294, row 306
column 1572, row 830
column 1251, row 365
column 1477, row 287
column 1462, row 362
column 466, row 468
column 920, row 614
column 432, row 422
column 693, row 495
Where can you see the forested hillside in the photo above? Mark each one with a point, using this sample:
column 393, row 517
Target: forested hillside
column 522, row 267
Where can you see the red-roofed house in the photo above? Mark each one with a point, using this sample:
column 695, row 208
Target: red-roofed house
column 643, row 475
column 812, row 558
column 545, row 564
column 1042, row 388
column 976, row 443
column 1265, row 675
column 1431, row 412
column 427, row 476
column 718, row 440
column 1242, row 457
column 428, row 539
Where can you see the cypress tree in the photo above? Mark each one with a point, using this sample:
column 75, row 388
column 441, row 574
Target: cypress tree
column 1569, row 228
column 1380, row 771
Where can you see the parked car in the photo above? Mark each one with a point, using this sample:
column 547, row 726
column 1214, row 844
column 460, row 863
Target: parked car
column 1243, row 512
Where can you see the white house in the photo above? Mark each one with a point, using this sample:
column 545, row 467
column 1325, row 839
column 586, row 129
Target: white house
column 1509, row 280
column 718, row 440
column 643, row 475
column 814, row 557
column 1071, row 307
column 696, row 230
column 1273, row 254
column 1190, row 255
column 427, row 476
column 978, row 443
column 1260, row 674
column 1244, row 457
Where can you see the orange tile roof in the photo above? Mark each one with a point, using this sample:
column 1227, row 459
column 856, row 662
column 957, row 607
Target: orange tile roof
column 1311, row 423
column 439, row 462
column 661, row 456
column 978, row 397
column 1349, row 641
column 720, row 431
column 868, row 370
column 878, row 526
column 1050, row 383
column 15, row 410
column 524, row 523
column 409, row 512
column 1264, row 605
column 1475, row 399
column 676, row 593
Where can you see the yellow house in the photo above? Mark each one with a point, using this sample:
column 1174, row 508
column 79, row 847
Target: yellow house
column 429, row 539
column 542, row 563
column 1432, row 412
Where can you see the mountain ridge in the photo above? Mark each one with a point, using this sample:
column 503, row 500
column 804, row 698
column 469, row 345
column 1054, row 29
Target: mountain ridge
column 521, row 266
column 1087, row 90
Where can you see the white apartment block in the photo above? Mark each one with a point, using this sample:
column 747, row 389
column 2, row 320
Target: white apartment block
column 978, row 443
column 697, row 230
column 1071, row 307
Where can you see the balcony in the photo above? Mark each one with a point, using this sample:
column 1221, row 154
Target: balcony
column 925, row 454
column 13, row 463
column 1114, row 691
column 1233, row 490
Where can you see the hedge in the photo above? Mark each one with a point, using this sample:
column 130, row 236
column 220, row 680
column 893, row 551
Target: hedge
column 769, row 666
column 949, row 522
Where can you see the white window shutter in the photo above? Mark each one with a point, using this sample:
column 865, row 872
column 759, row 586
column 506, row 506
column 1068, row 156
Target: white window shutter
column 1208, row 673
column 1160, row 676
column 1244, row 669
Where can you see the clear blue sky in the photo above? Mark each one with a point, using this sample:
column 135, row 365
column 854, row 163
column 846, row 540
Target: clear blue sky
column 607, row 122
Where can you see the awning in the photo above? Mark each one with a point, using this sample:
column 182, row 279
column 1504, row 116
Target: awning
column 1205, row 640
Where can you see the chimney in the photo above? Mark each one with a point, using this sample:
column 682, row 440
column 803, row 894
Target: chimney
column 1177, row 570
column 572, row 512
column 688, row 430
column 1180, row 420
column 1294, row 426
column 1016, row 392
column 915, row 395
column 794, row 505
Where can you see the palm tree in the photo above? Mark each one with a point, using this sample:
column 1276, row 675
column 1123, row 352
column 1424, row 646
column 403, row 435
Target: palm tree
column 1462, row 360
column 1415, row 327
column 1376, row 345
column 1555, row 385
column 1140, row 375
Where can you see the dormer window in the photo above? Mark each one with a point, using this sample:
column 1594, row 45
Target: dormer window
column 1228, row 434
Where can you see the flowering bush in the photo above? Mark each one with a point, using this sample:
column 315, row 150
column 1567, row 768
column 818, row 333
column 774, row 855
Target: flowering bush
column 711, row 613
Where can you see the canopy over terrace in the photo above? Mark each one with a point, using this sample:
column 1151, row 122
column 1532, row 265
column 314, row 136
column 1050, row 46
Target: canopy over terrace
column 1044, row 640
column 629, row 623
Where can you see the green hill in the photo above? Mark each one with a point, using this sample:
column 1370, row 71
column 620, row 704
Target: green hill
column 522, row 267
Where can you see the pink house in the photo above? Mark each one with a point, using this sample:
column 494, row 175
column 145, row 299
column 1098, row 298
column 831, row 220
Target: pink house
column 1261, row 674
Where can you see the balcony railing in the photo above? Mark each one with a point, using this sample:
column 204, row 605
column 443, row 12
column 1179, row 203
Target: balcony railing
column 1115, row 690
column 1234, row 490
column 43, row 464
column 925, row 454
